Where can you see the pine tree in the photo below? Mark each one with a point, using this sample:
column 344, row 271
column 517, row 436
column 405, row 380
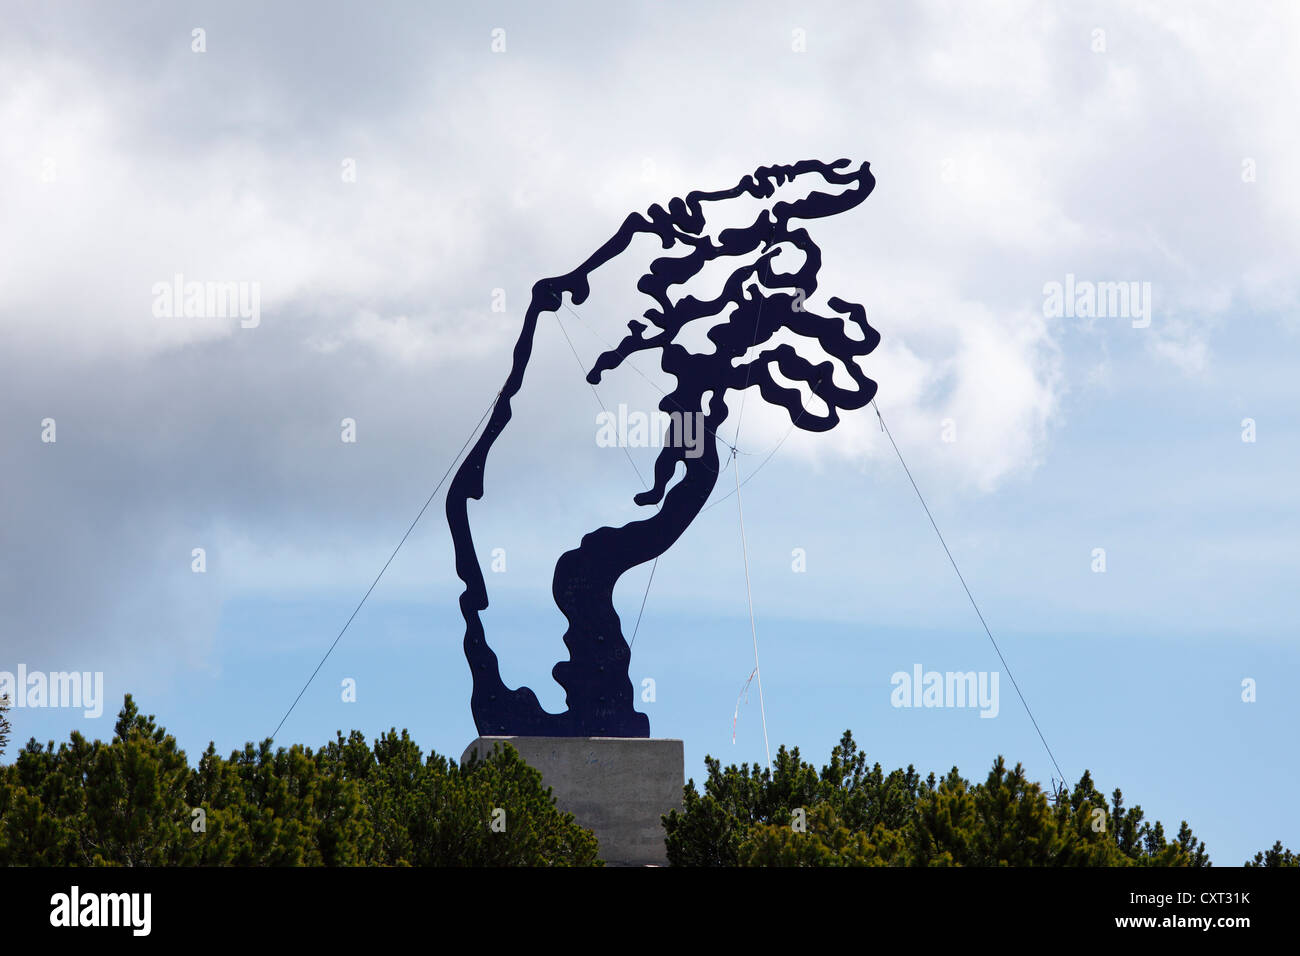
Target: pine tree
column 855, row 816
column 135, row 800
column 4, row 725
column 1277, row 856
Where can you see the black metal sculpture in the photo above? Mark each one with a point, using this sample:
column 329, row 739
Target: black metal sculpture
column 599, row 692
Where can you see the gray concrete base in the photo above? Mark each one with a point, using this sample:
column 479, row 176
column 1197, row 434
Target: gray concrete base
column 618, row 787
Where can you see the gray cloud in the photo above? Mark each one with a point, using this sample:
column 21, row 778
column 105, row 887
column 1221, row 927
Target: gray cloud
column 1007, row 152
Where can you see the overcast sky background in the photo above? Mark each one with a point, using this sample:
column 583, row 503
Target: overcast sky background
column 1008, row 153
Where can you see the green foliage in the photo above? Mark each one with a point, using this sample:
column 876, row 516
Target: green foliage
column 856, row 815
column 435, row 813
column 826, row 842
column 1278, row 856
column 134, row 801
column 711, row 828
column 4, row 725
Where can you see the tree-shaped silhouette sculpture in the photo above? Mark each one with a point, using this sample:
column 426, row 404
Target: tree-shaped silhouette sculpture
column 599, row 692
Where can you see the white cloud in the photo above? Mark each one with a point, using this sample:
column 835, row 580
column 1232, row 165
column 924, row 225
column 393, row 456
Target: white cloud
column 1007, row 154
column 1182, row 345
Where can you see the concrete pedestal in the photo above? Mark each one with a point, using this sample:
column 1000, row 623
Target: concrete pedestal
column 618, row 787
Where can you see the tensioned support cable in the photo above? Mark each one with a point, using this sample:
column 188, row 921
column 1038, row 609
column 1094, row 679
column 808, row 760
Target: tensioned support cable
column 885, row 428
column 753, row 628
column 357, row 609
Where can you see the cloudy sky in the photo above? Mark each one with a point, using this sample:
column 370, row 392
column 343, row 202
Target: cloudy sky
column 388, row 173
